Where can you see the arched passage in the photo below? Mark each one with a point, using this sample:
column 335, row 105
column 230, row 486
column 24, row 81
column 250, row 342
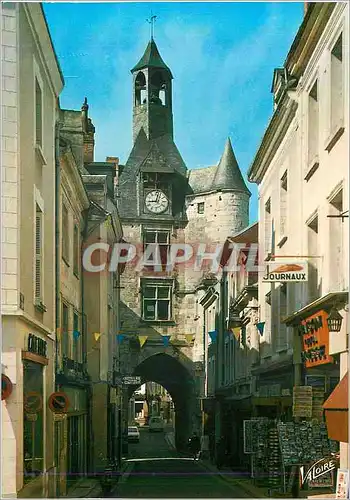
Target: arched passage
column 178, row 381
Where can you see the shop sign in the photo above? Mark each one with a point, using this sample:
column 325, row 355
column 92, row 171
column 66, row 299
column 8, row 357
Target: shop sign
column 342, row 490
column 37, row 345
column 315, row 333
column 6, row 387
column 286, row 273
column 318, row 469
column 131, row 380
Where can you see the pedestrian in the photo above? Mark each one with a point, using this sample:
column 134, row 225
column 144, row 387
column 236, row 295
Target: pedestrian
column 195, row 446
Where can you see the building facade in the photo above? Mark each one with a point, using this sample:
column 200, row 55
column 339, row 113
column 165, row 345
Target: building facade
column 302, row 171
column 31, row 86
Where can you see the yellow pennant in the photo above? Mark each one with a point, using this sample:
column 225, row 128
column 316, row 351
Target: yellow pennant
column 142, row 339
column 97, row 336
column 236, row 332
column 189, row 337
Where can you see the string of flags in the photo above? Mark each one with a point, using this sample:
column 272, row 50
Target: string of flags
column 260, row 327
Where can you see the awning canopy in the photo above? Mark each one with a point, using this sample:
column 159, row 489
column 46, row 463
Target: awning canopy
column 337, row 409
column 326, row 302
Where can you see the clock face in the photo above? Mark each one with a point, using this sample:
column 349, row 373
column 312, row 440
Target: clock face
column 156, row 202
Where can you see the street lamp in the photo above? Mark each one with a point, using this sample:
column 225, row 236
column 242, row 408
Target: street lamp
column 334, row 321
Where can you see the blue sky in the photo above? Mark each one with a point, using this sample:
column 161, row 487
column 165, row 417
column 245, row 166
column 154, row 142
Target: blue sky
column 222, row 57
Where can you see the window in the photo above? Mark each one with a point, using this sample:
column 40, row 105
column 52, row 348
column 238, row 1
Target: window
column 76, row 339
column 156, row 181
column 76, row 250
column 65, row 328
column 157, row 301
column 268, row 227
column 33, row 435
column 336, row 260
column 158, row 237
column 337, row 84
column 65, row 233
column 200, row 208
column 38, row 114
column 283, row 204
column 312, row 240
column 313, row 124
column 38, row 254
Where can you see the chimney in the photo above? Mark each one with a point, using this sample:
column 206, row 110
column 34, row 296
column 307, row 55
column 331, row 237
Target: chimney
column 88, row 132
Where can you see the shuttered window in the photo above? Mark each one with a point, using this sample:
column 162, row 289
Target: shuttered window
column 38, row 253
column 65, row 233
column 268, row 227
column 65, row 327
column 76, row 250
column 38, row 114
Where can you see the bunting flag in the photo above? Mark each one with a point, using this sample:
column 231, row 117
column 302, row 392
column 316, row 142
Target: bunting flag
column 260, row 327
column 213, row 335
column 166, row 340
column 236, row 332
column 142, row 339
column 76, row 334
column 120, row 337
column 189, row 337
column 97, row 336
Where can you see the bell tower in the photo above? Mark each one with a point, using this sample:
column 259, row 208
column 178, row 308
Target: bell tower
column 152, row 95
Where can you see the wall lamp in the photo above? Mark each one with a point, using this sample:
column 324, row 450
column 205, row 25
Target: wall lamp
column 334, row 321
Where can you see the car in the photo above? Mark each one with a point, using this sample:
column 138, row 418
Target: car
column 133, row 434
column 156, row 424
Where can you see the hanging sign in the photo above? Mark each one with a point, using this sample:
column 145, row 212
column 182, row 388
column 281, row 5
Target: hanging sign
column 286, row 273
column 314, row 330
column 131, row 380
column 33, row 402
column 6, row 387
column 58, row 402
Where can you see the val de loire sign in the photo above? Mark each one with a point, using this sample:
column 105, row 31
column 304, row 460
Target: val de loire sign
column 286, row 272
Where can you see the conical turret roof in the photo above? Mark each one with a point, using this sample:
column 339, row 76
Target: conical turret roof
column 228, row 174
column 151, row 59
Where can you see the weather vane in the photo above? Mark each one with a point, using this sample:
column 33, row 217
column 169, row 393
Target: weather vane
column 151, row 21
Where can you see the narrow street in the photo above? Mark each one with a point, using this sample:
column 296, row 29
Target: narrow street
column 156, row 471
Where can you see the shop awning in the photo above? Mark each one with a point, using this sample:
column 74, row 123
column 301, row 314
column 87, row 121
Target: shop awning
column 336, row 409
column 325, row 302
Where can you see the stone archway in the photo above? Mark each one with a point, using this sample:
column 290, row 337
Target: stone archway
column 179, row 381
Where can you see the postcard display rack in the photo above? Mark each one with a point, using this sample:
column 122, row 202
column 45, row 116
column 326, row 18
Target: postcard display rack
column 262, row 443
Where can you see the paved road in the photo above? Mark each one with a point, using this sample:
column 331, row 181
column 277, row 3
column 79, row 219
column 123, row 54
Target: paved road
column 159, row 472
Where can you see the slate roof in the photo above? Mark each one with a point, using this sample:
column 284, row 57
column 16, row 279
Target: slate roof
column 151, row 59
column 224, row 176
column 228, row 174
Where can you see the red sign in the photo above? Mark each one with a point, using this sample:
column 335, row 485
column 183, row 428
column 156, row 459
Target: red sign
column 6, row 387
column 33, row 402
column 58, row 402
column 314, row 330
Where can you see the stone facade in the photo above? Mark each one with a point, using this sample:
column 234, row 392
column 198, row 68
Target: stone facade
column 28, row 299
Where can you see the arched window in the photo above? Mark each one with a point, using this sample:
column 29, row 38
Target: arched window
column 158, row 89
column 140, row 89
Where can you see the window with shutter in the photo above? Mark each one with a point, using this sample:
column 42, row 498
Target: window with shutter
column 38, row 114
column 65, row 233
column 268, row 227
column 76, row 250
column 283, row 204
column 38, row 254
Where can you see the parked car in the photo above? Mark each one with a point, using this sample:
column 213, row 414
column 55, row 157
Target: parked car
column 156, row 424
column 133, row 434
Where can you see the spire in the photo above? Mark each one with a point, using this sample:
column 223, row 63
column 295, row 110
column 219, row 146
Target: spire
column 228, row 174
column 151, row 59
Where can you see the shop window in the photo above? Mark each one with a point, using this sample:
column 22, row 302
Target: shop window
column 156, row 301
column 313, row 125
column 33, row 432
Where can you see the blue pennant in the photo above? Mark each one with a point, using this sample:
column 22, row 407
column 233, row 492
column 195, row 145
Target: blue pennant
column 166, row 340
column 76, row 334
column 260, row 327
column 120, row 337
column 213, row 335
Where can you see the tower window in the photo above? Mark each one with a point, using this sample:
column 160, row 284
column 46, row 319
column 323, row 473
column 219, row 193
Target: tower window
column 158, row 89
column 140, row 89
column 200, row 208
